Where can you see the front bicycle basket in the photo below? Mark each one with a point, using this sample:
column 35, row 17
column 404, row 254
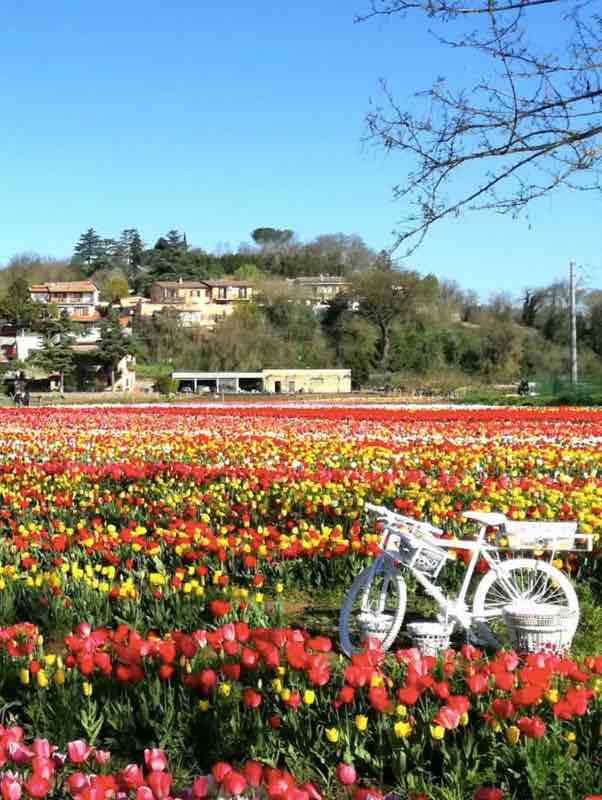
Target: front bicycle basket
column 421, row 556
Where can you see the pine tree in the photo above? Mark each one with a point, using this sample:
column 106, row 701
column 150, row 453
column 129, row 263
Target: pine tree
column 112, row 345
column 56, row 354
column 89, row 248
column 174, row 240
column 136, row 252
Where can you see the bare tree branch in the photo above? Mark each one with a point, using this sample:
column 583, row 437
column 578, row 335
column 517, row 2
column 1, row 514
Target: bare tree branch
column 534, row 123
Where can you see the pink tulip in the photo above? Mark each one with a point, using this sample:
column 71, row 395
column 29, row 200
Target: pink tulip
column 312, row 792
column 11, row 789
column 144, row 793
column 102, row 756
column 77, row 782
column 18, row 753
column 200, row 786
column 155, row 760
column 36, row 786
column 346, row 774
column 78, row 751
column 132, row 776
column 43, row 767
column 41, row 747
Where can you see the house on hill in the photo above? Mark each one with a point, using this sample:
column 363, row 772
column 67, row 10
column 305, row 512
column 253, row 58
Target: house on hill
column 196, row 303
column 78, row 298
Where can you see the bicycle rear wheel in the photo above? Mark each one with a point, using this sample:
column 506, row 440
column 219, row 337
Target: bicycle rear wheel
column 375, row 605
column 521, row 579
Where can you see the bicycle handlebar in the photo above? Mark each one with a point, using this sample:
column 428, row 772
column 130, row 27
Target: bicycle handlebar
column 385, row 513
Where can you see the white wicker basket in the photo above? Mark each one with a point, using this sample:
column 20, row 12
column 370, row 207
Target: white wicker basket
column 425, row 558
column 430, row 637
column 537, row 627
column 375, row 626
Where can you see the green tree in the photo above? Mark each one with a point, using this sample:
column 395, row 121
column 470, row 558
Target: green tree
column 56, row 354
column 275, row 237
column 112, row 345
column 135, row 256
column 89, row 249
column 113, row 285
column 386, row 295
column 333, row 322
column 18, row 309
column 175, row 240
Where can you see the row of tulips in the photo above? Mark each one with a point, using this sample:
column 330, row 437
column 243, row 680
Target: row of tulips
column 40, row 770
column 262, row 690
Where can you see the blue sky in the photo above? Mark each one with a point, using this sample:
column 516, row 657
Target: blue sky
column 218, row 118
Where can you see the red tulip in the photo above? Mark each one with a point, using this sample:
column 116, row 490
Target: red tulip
column 253, row 772
column 234, row 783
column 220, row 770
column 408, row 695
column 503, row 709
column 372, row 794
column 251, row 698
column 219, row 608
column 160, row 784
column 533, row 727
column 488, row 793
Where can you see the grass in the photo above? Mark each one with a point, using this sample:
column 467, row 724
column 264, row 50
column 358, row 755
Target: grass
column 318, row 612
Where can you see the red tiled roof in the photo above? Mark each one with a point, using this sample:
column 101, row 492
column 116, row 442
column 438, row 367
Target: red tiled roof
column 68, row 286
column 180, row 285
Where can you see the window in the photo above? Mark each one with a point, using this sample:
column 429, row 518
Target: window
column 242, row 293
column 222, row 293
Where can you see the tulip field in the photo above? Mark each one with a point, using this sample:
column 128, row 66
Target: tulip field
column 170, row 580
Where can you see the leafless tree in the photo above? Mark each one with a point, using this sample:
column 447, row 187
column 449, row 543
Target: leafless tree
column 532, row 125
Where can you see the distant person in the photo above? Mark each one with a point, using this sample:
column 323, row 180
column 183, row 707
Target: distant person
column 523, row 387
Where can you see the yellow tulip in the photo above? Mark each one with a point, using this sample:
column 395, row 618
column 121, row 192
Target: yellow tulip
column 361, row 722
column 512, row 734
column 437, row 731
column 403, row 729
column 332, row 735
column 42, row 679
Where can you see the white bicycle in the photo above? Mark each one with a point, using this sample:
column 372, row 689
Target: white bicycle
column 376, row 601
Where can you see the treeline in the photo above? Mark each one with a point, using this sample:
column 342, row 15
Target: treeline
column 391, row 325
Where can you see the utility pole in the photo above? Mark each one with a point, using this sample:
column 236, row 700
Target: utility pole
column 574, row 374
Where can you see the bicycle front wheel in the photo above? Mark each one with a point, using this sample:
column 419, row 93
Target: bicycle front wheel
column 374, row 607
column 521, row 579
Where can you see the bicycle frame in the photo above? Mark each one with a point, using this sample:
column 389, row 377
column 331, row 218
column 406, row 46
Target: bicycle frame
column 454, row 608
